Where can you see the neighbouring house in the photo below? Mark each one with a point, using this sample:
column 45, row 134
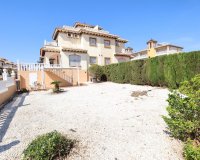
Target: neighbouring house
column 156, row 49
column 6, row 64
column 7, row 80
column 73, row 50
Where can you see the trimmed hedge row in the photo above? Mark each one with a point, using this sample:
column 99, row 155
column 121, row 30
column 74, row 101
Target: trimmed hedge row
column 167, row 70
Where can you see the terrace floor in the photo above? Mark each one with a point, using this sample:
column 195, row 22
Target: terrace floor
column 107, row 121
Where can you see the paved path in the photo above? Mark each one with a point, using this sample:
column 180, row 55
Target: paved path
column 107, row 121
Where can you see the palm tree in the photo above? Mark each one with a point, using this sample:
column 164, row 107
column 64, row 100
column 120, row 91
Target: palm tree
column 56, row 86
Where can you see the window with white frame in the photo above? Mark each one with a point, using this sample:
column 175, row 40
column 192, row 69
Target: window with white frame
column 107, row 43
column 107, row 61
column 93, row 60
column 74, row 60
column 93, row 41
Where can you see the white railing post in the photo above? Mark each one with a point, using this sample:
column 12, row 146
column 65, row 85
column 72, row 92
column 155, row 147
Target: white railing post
column 13, row 74
column 5, row 75
column 18, row 65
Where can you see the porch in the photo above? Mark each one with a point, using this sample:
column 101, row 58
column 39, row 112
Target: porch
column 36, row 76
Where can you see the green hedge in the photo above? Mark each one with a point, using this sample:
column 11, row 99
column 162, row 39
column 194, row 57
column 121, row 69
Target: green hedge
column 167, row 70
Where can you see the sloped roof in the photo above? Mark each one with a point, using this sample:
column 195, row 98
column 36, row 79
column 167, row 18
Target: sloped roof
column 74, row 50
column 89, row 31
column 45, row 49
column 123, row 55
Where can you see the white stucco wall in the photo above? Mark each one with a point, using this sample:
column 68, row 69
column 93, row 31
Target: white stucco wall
column 98, row 51
column 69, row 42
column 82, row 42
column 120, row 59
column 120, row 47
column 65, row 59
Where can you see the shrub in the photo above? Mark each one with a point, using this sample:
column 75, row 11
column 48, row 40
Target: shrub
column 167, row 70
column 48, row 147
column 184, row 111
column 56, row 86
column 184, row 116
column 96, row 71
column 192, row 151
column 23, row 90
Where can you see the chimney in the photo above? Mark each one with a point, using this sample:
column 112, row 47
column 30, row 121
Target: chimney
column 151, row 43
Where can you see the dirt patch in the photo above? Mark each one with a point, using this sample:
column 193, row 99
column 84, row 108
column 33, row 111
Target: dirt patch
column 139, row 93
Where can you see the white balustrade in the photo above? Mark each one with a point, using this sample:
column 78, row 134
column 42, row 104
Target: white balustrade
column 166, row 52
column 140, row 57
column 39, row 66
column 36, row 66
column 51, row 43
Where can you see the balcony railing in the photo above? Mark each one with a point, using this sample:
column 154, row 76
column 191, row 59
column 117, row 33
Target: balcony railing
column 39, row 66
column 31, row 67
column 36, row 66
column 140, row 57
column 166, row 52
column 54, row 44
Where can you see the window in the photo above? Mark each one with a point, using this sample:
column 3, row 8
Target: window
column 69, row 35
column 51, row 60
column 74, row 60
column 107, row 43
column 76, row 36
column 117, row 44
column 93, row 41
column 93, row 60
column 107, row 61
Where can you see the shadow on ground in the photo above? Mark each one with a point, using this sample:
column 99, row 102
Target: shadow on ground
column 8, row 146
column 6, row 116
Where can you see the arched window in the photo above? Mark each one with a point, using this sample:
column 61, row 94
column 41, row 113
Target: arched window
column 74, row 60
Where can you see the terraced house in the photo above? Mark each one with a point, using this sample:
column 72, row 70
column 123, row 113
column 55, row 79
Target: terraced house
column 80, row 46
column 83, row 45
column 157, row 49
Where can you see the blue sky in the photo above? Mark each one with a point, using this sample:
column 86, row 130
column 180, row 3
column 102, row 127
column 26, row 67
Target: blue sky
column 26, row 24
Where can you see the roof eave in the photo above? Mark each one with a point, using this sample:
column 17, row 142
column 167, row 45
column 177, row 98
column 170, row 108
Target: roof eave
column 123, row 55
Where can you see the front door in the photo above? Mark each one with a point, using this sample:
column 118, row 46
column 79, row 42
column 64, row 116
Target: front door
column 32, row 79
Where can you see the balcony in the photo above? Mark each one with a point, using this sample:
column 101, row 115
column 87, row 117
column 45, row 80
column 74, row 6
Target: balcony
column 53, row 44
column 166, row 52
column 37, row 66
column 140, row 57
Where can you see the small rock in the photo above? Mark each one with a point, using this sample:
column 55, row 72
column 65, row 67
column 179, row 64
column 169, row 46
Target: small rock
column 72, row 130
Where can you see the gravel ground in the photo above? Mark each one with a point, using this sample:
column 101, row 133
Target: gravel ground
column 107, row 121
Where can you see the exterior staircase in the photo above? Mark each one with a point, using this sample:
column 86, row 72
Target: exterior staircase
column 60, row 73
column 55, row 69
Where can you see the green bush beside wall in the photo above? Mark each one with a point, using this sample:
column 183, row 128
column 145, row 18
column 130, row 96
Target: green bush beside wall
column 183, row 118
column 167, row 70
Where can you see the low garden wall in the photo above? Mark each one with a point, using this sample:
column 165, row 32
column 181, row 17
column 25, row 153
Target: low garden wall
column 167, row 70
column 47, row 77
column 7, row 90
